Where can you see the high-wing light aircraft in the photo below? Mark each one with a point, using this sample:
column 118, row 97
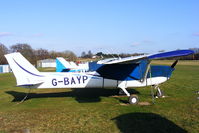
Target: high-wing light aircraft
column 65, row 66
column 120, row 73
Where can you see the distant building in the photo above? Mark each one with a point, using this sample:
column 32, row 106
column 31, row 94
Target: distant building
column 46, row 63
column 5, row 68
column 94, row 57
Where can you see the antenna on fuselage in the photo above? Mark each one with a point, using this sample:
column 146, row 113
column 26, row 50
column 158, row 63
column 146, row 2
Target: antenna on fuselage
column 110, row 53
column 116, row 54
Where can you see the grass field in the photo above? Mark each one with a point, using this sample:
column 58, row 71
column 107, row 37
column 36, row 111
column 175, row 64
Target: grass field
column 96, row 111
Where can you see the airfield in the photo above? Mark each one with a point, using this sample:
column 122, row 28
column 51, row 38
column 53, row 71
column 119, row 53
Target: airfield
column 97, row 110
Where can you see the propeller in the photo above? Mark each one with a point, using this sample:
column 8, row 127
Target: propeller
column 174, row 64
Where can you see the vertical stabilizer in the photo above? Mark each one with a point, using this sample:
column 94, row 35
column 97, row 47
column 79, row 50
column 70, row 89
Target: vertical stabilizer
column 62, row 65
column 24, row 72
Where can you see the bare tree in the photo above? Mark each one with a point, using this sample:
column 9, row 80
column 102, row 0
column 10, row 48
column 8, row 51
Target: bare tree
column 90, row 54
column 26, row 50
column 3, row 51
column 54, row 54
column 41, row 54
column 69, row 55
column 83, row 54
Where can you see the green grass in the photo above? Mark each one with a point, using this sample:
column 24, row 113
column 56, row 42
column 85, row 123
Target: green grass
column 94, row 110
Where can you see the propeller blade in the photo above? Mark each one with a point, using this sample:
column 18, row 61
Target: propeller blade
column 174, row 64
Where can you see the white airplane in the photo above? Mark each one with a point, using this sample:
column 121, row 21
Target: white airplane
column 120, row 73
column 64, row 66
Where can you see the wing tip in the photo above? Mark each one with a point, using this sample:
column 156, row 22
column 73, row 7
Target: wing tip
column 176, row 53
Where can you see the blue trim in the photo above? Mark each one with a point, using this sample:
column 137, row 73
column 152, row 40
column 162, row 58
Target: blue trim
column 95, row 77
column 171, row 54
column 60, row 67
column 93, row 66
column 27, row 70
column 1, row 69
column 25, row 85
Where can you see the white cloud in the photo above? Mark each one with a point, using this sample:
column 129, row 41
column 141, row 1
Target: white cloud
column 135, row 44
column 147, row 41
column 196, row 34
column 2, row 34
column 143, row 42
column 37, row 35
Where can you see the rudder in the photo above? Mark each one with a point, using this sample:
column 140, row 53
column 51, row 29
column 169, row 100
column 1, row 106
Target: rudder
column 24, row 72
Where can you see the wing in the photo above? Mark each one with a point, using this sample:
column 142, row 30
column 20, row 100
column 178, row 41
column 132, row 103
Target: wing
column 133, row 67
column 129, row 60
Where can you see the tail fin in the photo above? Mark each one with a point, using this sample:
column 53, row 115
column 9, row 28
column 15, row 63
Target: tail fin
column 62, row 65
column 24, row 72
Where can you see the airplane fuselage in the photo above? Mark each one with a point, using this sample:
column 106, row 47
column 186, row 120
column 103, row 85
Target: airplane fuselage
column 88, row 80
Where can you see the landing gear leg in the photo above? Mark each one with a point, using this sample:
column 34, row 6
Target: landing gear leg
column 121, row 92
column 126, row 92
column 133, row 99
column 159, row 92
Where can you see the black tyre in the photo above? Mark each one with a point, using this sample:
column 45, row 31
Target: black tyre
column 133, row 99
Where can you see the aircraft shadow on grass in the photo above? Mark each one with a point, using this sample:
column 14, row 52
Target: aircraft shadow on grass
column 81, row 95
column 146, row 123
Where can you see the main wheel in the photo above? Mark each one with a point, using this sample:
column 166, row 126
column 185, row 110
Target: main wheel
column 133, row 99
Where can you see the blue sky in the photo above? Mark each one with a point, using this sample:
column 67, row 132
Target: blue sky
column 110, row 26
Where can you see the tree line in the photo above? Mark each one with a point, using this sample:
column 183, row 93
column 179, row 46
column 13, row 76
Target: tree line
column 33, row 55
column 103, row 55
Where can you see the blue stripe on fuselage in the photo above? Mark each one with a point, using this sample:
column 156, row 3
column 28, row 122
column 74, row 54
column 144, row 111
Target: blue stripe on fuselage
column 27, row 70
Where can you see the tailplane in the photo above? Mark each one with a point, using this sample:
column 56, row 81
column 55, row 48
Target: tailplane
column 25, row 73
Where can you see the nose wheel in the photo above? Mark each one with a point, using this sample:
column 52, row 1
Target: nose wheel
column 159, row 92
